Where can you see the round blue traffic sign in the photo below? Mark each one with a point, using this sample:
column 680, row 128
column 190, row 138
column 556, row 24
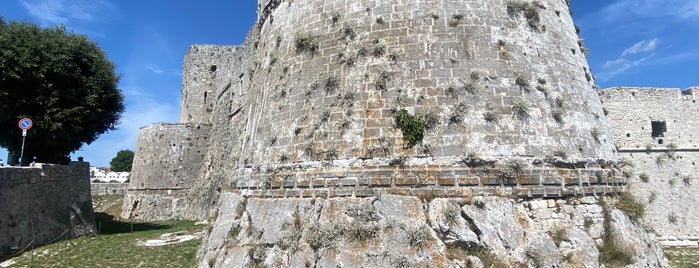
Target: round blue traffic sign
column 25, row 123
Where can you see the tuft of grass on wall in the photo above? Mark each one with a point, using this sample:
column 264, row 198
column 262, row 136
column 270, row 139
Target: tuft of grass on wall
column 306, row 44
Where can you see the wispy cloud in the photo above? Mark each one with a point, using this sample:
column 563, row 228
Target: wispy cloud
column 626, row 60
column 624, row 9
column 643, row 46
column 157, row 70
column 65, row 12
column 620, row 66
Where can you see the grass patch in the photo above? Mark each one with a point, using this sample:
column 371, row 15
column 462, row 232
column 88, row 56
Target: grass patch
column 683, row 257
column 632, row 208
column 116, row 244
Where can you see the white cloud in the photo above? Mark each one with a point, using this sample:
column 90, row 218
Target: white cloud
column 65, row 12
column 643, row 46
column 157, row 70
column 620, row 66
column 625, row 9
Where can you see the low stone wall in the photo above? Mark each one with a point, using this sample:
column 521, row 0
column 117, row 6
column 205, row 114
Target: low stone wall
column 108, row 188
column 155, row 204
column 44, row 203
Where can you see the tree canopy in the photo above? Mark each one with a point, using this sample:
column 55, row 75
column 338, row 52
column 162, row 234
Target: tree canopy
column 63, row 82
column 122, row 161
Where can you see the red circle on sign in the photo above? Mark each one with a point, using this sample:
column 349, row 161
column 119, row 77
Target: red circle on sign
column 25, row 123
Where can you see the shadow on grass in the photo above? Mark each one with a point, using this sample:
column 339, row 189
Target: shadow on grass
column 107, row 225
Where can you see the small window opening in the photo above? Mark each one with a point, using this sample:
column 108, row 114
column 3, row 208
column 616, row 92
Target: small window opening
column 628, row 135
column 659, row 129
column 206, row 94
column 660, row 141
column 213, row 68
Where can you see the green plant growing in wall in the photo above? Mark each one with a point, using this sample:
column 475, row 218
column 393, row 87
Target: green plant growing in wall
column 458, row 113
column 307, row 44
column 431, row 120
column 490, row 116
column 520, row 109
column 378, row 49
column 522, row 82
column 632, row 208
column 452, row 91
column 413, row 127
column 347, row 33
column 529, row 10
column 331, row 85
column 418, row 236
column 455, row 20
column 471, row 87
column 382, row 80
column 335, row 17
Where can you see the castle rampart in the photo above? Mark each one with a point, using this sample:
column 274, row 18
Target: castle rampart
column 655, row 130
column 167, row 159
column 384, row 106
column 44, row 203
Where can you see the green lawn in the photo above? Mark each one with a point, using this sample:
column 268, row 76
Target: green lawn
column 683, row 257
column 116, row 244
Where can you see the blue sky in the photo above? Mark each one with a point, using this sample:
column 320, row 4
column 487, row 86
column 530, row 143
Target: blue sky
column 631, row 43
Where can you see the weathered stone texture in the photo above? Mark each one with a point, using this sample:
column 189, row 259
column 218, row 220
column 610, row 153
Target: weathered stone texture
column 108, row 188
column 44, row 203
column 390, row 231
column 318, row 84
column 665, row 171
column 166, row 161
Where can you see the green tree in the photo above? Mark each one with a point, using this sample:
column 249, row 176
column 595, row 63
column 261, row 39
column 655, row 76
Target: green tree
column 63, row 82
column 122, row 161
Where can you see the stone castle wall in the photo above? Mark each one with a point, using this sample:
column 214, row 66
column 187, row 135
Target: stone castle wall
column 166, row 160
column 108, row 188
column 205, row 68
column 44, row 203
column 321, row 84
column 665, row 170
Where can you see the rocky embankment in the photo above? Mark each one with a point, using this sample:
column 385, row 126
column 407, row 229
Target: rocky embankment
column 405, row 231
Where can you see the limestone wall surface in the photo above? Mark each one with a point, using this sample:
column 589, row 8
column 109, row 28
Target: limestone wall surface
column 665, row 170
column 108, row 188
column 204, row 69
column 166, row 161
column 405, row 231
column 437, row 58
column 44, row 203
column 322, row 83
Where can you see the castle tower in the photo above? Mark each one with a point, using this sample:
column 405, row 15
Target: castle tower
column 385, row 93
column 402, row 133
column 204, row 67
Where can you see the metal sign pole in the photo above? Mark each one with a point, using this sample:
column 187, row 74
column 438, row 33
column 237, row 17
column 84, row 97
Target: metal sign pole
column 24, row 125
column 21, row 154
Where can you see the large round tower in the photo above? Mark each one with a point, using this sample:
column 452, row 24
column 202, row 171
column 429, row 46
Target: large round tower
column 411, row 92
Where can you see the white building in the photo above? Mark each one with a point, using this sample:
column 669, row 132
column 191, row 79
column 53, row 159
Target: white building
column 101, row 175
